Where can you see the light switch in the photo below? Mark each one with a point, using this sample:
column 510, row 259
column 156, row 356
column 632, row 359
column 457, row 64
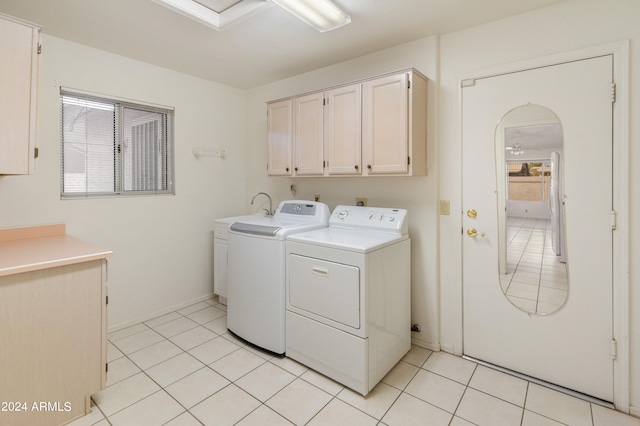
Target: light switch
column 444, row 208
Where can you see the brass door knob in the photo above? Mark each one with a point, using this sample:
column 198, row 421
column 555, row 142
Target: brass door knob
column 473, row 233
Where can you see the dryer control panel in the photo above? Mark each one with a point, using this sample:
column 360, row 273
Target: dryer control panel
column 374, row 219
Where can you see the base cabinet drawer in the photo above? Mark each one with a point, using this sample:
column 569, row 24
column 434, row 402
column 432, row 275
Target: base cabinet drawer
column 334, row 353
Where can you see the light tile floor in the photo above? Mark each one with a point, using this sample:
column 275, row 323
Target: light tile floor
column 184, row 368
column 536, row 281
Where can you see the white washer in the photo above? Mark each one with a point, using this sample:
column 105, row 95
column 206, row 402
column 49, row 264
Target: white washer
column 349, row 295
column 256, row 271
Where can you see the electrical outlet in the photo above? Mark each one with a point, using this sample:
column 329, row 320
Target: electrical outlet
column 317, row 198
column 445, row 208
column 361, row 201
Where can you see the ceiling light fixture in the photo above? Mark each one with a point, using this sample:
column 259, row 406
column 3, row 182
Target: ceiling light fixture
column 323, row 15
column 219, row 21
column 516, row 149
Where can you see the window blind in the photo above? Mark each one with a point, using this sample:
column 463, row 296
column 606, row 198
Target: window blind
column 111, row 147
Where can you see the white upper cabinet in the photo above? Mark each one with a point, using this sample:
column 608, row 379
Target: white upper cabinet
column 19, row 44
column 394, row 111
column 373, row 127
column 308, row 135
column 279, row 138
column 343, row 129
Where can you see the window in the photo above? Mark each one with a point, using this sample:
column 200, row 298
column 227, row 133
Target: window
column 529, row 181
column 112, row 147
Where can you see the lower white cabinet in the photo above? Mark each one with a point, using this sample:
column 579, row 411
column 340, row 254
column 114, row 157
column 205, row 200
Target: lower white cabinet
column 220, row 260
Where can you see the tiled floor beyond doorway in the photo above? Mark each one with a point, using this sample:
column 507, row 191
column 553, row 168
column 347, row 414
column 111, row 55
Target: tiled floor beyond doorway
column 536, row 280
column 184, row 368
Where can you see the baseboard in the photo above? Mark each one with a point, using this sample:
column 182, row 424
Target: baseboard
column 159, row 313
column 427, row 345
column 449, row 349
column 634, row 411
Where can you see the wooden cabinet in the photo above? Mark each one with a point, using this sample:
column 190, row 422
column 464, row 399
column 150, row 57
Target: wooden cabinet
column 325, row 134
column 343, row 130
column 308, row 140
column 53, row 311
column 19, row 44
column 373, row 127
column 279, row 138
column 394, row 125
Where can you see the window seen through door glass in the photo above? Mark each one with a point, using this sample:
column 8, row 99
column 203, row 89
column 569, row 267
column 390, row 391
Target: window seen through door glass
column 528, row 181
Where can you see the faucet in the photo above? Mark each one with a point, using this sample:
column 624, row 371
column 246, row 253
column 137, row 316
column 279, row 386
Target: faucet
column 270, row 212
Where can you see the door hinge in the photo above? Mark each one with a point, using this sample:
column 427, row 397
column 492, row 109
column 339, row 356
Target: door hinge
column 325, row 101
column 614, row 349
column 36, row 152
column 106, row 367
column 614, row 221
column 106, row 300
column 468, row 82
column 408, row 84
column 408, row 161
column 613, row 93
column 324, row 164
column 39, row 48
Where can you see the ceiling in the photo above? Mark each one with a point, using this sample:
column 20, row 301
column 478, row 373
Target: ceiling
column 269, row 45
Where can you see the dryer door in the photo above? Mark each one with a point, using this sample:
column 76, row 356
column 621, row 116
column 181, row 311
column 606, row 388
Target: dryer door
column 326, row 290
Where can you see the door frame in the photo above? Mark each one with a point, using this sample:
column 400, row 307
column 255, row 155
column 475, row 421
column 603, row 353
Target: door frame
column 620, row 279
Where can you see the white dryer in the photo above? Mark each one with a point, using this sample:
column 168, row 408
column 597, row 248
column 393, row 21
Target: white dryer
column 349, row 295
column 256, row 270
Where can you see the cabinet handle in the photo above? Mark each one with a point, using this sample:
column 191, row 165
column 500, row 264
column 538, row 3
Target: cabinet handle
column 356, row 166
column 287, row 169
column 369, row 166
column 296, row 169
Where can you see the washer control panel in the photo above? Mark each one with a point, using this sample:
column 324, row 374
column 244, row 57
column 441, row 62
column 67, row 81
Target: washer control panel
column 302, row 211
column 378, row 219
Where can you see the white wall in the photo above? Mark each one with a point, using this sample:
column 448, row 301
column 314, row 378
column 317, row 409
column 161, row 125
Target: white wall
column 417, row 194
column 163, row 245
column 436, row 257
column 153, row 271
column 566, row 26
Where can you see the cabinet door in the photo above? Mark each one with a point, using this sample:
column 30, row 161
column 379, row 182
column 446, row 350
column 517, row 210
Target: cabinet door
column 18, row 85
column 343, row 130
column 220, row 259
column 385, row 138
column 279, row 138
column 308, row 139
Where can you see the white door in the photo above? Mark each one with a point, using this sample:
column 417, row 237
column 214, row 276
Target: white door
column 570, row 347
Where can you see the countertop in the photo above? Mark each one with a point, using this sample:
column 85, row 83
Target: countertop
column 40, row 247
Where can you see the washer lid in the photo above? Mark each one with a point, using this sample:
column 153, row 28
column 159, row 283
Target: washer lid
column 252, row 228
column 347, row 239
column 272, row 226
